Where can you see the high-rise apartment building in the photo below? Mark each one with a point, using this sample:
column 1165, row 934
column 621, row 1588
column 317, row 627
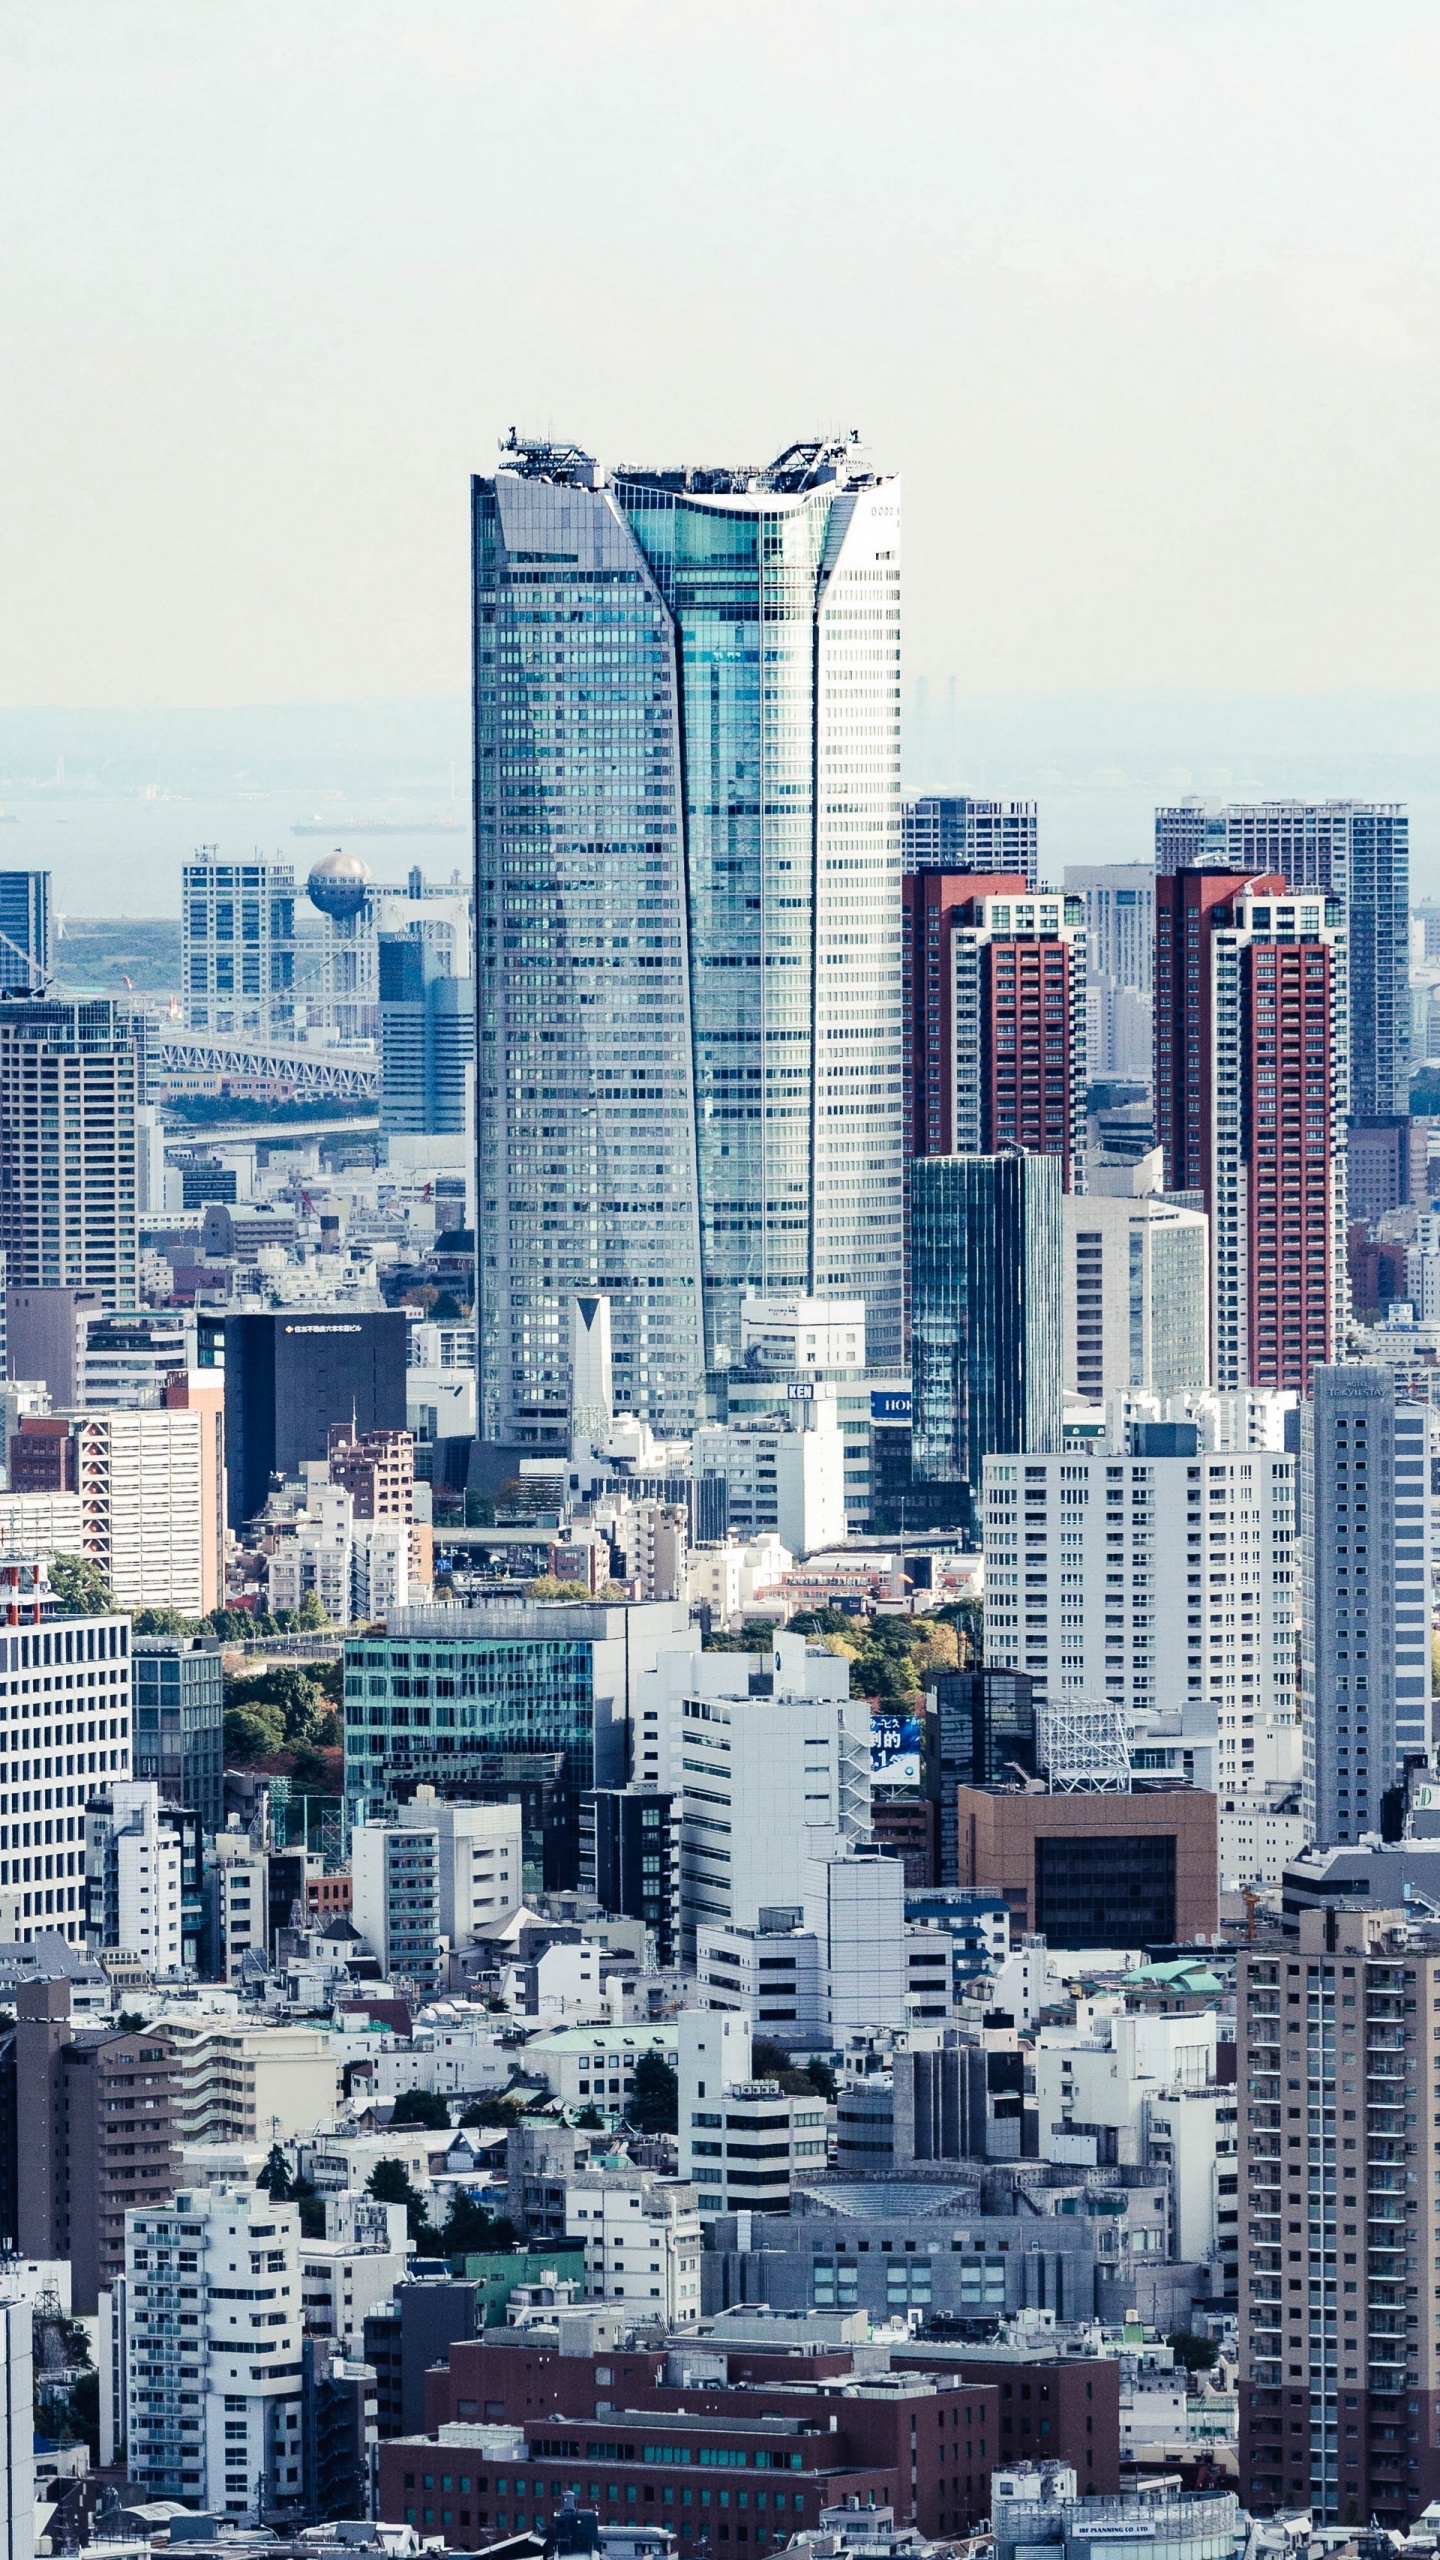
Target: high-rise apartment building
column 214, row 2400
column 952, row 831
column 24, row 931
column 1137, row 1296
column 985, row 1314
column 687, row 756
column 1359, row 850
column 1368, row 1529
column 17, row 2427
column 1338, row 2041
column 1252, row 1053
column 96, row 2107
column 72, row 1075
column 1154, row 1582
column 427, row 1037
column 994, row 983
column 68, row 1684
column 1118, row 900
column 134, row 1860
column 237, row 952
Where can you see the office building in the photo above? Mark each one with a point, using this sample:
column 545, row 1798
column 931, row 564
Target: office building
column 427, row 1037
column 1096, row 1870
column 72, row 1076
column 24, row 931
column 1252, row 1076
column 1137, row 1296
column 740, row 2138
column 206, row 2420
column 796, row 1338
column 1087, row 1559
column 981, row 1734
column 237, row 953
column 994, row 984
column 69, row 1702
column 1338, row 2390
column 784, row 1475
column 42, row 1328
column 1367, row 1519
column 124, row 1360
column 523, row 1696
column 178, row 1706
column 1359, row 851
column 773, row 1778
column 96, row 2104
column 289, row 1377
column 478, row 1872
column 943, row 831
column 774, row 1976
column 985, row 1315
column 1118, row 901
column 717, row 1111
column 630, row 1859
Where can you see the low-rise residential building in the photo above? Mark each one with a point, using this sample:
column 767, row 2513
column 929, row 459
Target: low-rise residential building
column 595, row 2066
column 249, row 2084
column 642, row 2242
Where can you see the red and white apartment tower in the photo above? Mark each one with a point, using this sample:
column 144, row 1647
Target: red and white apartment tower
column 994, row 1018
column 1252, row 1086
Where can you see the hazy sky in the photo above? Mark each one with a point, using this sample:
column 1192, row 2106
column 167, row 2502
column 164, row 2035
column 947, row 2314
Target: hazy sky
column 1141, row 295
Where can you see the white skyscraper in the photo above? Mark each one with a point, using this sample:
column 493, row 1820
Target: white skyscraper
column 1136, row 1296
column 688, row 849
column 1120, row 957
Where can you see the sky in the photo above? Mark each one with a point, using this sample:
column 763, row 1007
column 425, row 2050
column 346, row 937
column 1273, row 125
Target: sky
column 1141, row 296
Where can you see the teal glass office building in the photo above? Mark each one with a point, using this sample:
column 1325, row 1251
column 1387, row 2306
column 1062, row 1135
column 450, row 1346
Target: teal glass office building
column 688, row 860
column 985, row 1315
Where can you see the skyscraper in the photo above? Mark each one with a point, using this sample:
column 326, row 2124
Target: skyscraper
column 427, row 1038
column 237, row 950
column 994, row 984
column 24, row 930
column 1368, row 1540
column 985, row 1315
column 950, row 831
column 72, row 1074
column 1360, row 851
column 687, row 704
column 1119, row 912
column 1137, row 1287
column 1251, row 1085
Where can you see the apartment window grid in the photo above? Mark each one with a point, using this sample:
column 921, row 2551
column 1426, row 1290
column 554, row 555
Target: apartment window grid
column 238, row 947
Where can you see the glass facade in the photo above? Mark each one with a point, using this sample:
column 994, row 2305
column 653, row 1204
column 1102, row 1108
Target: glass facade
column 179, row 1709
column 985, row 1313
column 688, row 914
column 24, row 930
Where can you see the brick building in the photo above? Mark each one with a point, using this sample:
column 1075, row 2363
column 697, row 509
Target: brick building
column 1095, row 1870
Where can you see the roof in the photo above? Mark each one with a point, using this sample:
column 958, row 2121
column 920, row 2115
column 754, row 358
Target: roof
column 644, row 2036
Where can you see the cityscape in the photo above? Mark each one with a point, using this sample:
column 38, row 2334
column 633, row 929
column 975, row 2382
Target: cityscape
column 719, row 1450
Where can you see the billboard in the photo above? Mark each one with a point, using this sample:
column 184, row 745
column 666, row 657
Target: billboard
column 896, row 1748
column 889, row 1404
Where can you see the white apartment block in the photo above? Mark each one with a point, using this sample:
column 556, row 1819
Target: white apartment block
column 742, row 2141
column 1135, row 1296
column 143, row 1487
column 642, row 2243
column 1226, row 1420
column 17, row 2429
column 479, row 1862
column 774, row 1976
column 133, row 1862
column 728, row 1578
column 357, row 1569
column 212, row 2386
column 42, row 1524
column 249, row 2085
column 785, row 1478
column 340, row 2283
column 1086, row 1563
column 238, row 946
column 1193, row 2132
column 793, row 1336
column 771, row 1779
column 238, row 1887
column 64, row 1735
column 812, row 1975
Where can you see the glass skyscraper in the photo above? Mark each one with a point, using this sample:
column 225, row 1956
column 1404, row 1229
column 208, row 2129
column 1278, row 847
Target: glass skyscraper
column 25, row 931
column 688, row 855
column 985, row 1314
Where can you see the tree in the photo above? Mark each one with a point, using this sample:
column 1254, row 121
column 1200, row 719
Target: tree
column 503, row 2112
column 770, row 2061
column 252, row 1733
column 1196, row 2354
column 165, row 1622
column 446, row 1309
column 421, row 2106
column 655, row 2102
column 312, row 1612
column 757, row 1637
column 590, row 2120
column 275, row 2176
column 131, row 2022
column 80, row 1586
column 469, row 2231
column 388, row 2184
column 546, row 1587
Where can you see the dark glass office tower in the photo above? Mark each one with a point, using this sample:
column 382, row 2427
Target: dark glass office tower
column 982, row 1735
column 985, row 1316
column 288, row 1377
column 687, row 825
column 24, row 930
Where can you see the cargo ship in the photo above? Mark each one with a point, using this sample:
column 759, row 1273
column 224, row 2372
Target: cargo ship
column 449, row 826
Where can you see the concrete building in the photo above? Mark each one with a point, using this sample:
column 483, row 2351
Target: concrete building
column 122, row 1359
column 1086, row 1560
column 775, row 1976
column 205, row 2421
column 134, row 1866
column 24, row 930
column 479, row 1862
column 1102, row 1870
column 945, row 831
column 72, row 1076
column 1136, row 1297
column 595, row 2065
column 42, row 1327
column 798, row 1337
column 147, row 1484
column 289, row 1376
column 1252, row 1063
column 1330, row 2365
column 245, row 2085
column 995, row 1019
column 771, row 1780
column 69, row 1696
column 238, row 947
column 743, row 2141
column 1118, row 901
column 98, row 2108
column 41, row 1525
column 427, row 1032
column 642, row 2243
column 784, row 1479
column 237, row 1891
column 17, row 2413
column 397, row 1901
column 1368, row 1543
column 630, row 1859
